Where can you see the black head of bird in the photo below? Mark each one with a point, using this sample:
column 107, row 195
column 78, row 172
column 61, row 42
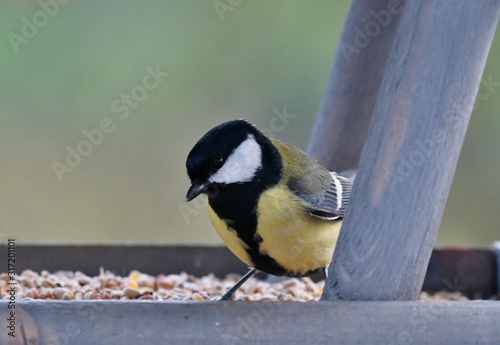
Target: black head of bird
column 232, row 154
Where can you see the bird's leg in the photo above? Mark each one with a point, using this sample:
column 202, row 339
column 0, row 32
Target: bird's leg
column 228, row 295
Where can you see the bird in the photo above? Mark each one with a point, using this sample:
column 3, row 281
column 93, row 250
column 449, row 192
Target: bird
column 275, row 207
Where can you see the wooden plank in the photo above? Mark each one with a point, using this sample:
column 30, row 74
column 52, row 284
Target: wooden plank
column 120, row 322
column 412, row 148
column 342, row 122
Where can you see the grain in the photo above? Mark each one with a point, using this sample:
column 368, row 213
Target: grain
column 66, row 285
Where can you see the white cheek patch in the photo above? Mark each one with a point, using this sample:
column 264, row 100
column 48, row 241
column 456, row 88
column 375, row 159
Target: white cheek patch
column 242, row 165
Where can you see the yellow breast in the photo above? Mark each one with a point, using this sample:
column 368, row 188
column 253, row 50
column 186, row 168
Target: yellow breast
column 297, row 240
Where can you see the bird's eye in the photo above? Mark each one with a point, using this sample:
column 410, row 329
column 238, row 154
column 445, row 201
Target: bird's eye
column 217, row 162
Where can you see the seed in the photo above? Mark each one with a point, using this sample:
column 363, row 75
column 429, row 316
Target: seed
column 289, row 283
column 29, row 293
column 131, row 293
column 84, row 280
column 90, row 295
column 48, row 283
column 29, row 283
column 116, row 294
column 107, row 291
column 190, row 286
column 198, row 297
column 29, row 274
column 45, row 294
column 59, row 292
column 269, row 297
column 163, row 282
column 133, row 284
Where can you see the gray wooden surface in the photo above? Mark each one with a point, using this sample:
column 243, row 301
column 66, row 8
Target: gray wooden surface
column 135, row 323
column 342, row 121
column 409, row 158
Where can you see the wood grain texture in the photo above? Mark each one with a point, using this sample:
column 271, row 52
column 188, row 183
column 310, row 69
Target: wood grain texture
column 120, row 322
column 342, row 121
column 412, row 148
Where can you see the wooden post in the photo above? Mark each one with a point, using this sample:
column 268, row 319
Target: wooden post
column 414, row 140
column 342, row 122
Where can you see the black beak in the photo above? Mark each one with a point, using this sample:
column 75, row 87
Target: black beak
column 196, row 189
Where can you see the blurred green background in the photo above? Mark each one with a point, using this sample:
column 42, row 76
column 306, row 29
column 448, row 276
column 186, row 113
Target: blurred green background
column 256, row 59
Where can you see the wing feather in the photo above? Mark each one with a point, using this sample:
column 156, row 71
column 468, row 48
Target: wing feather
column 325, row 194
column 331, row 203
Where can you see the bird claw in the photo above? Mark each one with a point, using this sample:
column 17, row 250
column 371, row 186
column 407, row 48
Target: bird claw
column 225, row 297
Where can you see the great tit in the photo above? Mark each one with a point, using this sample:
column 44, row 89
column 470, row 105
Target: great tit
column 276, row 208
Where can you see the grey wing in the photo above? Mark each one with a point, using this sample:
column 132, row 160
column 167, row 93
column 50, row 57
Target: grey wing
column 332, row 202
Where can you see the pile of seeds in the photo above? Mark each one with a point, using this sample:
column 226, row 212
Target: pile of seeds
column 65, row 285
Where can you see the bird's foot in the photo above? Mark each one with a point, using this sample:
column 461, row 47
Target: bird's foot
column 225, row 297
